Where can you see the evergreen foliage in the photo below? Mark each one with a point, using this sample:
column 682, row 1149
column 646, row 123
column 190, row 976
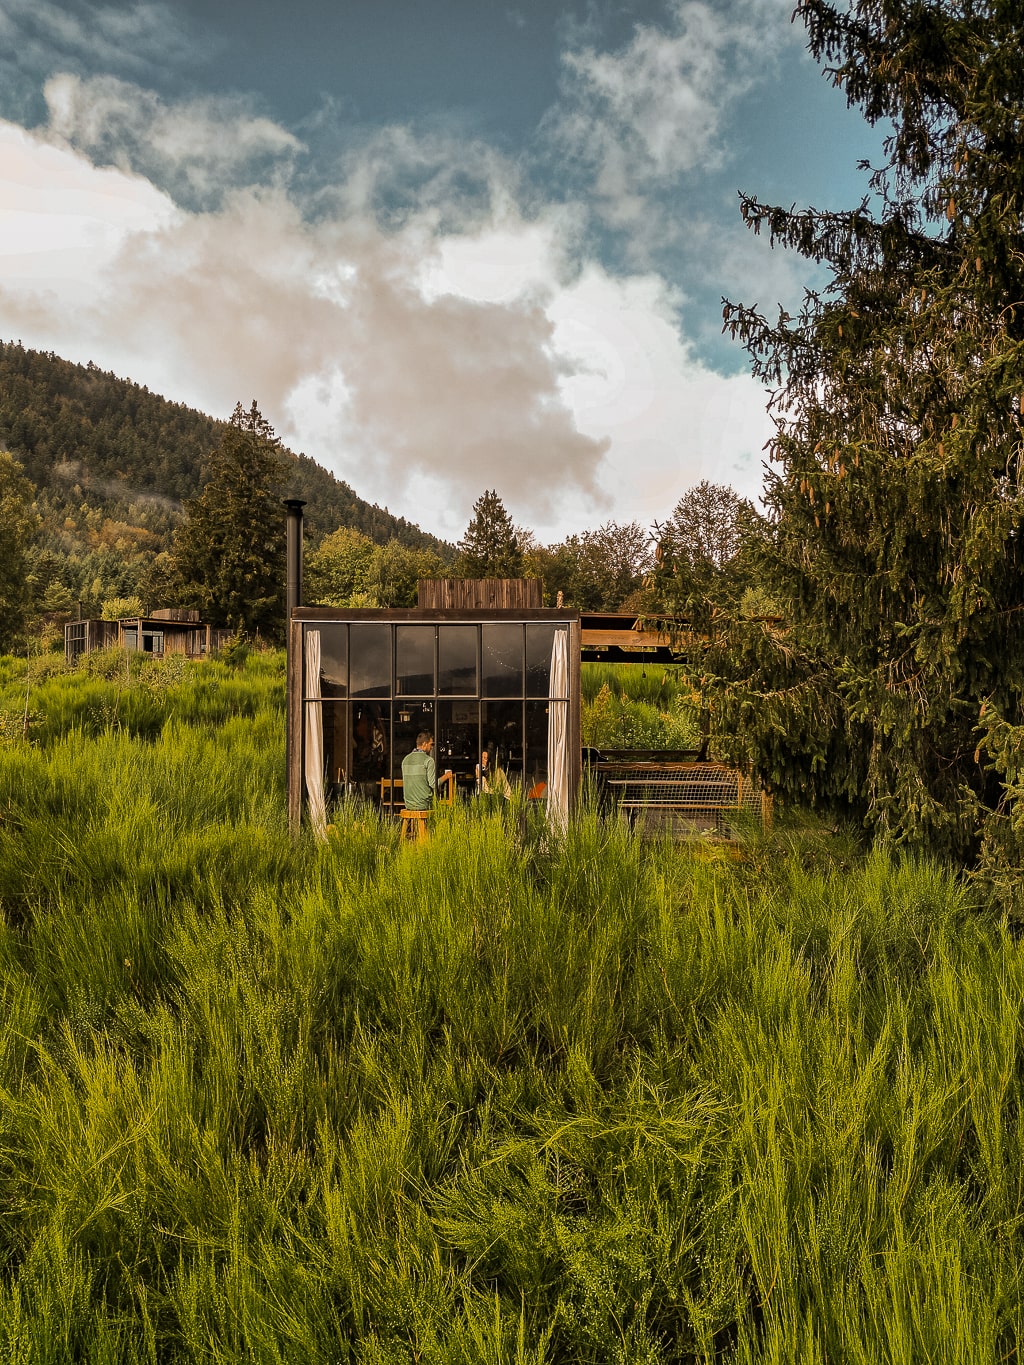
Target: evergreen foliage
column 490, row 547
column 895, row 506
column 229, row 550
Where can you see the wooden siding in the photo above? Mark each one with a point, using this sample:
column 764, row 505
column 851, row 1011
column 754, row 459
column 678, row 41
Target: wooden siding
column 480, row 594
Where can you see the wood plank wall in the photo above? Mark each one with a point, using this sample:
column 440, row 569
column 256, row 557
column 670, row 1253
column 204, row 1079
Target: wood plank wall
column 480, row 594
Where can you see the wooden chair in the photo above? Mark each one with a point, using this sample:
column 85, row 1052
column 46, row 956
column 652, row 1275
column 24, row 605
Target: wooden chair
column 390, row 791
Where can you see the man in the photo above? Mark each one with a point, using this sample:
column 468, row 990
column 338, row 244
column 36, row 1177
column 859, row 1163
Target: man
column 419, row 779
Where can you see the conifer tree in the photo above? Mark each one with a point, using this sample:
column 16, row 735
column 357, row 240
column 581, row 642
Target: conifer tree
column 893, row 538
column 229, row 550
column 490, row 547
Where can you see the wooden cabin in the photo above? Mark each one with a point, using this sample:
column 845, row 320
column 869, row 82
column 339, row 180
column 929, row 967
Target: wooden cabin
column 168, row 630
column 364, row 683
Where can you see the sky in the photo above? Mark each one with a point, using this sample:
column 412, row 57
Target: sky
column 446, row 245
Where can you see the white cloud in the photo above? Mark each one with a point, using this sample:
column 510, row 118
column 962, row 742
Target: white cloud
column 198, row 147
column 423, row 357
column 63, row 220
column 637, row 119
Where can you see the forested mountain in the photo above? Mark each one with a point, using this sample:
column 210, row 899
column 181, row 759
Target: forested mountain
column 112, row 463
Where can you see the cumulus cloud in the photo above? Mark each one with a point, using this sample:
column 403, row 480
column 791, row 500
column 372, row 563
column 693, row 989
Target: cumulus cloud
column 416, row 317
column 197, row 148
column 254, row 300
column 63, row 220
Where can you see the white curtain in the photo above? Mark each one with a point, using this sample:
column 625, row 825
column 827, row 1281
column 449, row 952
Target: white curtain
column 314, row 762
column 558, row 735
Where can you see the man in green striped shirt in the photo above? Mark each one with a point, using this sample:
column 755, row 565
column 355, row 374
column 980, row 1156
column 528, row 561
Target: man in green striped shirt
column 419, row 779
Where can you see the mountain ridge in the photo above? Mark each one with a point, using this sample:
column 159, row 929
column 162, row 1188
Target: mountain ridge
column 74, row 426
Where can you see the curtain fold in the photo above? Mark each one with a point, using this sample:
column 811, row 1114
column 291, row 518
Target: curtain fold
column 314, row 750
column 558, row 734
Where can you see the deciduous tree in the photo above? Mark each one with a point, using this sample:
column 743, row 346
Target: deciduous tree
column 598, row 570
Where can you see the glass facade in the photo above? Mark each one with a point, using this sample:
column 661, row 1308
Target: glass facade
column 481, row 689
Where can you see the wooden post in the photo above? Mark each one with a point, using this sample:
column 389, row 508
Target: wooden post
column 293, row 723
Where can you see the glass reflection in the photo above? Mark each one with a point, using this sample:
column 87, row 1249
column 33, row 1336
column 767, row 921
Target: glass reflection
column 536, row 743
column 539, row 635
column 370, row 671
column 458, row 738
column 501, row 734
column 501, row 661
column 333, row 659
column 414, row 661
column 456, row 657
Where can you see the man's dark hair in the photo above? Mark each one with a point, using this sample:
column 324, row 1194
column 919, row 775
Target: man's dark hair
column 422, row 738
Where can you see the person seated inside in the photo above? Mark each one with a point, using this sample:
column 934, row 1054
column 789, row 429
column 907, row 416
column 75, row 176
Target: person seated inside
column 483, row 773
column 419, row 777
column 497, row 780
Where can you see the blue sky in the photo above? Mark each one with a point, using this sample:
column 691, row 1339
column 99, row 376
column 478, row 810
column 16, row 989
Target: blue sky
column 447, row 245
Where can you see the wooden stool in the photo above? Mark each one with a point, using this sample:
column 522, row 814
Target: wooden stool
column 414, row 823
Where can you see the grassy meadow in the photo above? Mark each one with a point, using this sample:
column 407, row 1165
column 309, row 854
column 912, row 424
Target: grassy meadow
column 498, row 1098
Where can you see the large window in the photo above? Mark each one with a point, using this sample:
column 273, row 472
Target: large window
column 482, row 689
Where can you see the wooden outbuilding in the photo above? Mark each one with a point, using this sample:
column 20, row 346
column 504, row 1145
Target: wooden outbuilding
column 168, row 630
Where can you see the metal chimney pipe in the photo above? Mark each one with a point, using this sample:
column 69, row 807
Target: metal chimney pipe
column 293, row 598
column 293, row 580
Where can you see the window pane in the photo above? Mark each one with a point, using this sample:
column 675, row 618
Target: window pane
column 335, row 718
column 370, row 660
column 501, row 734
column 457, row 661
column 458, row 734
column 501, row 661
column 333, row 659
column 371, row 731
column 537, row 743
column 539, row 636
column 414, row 661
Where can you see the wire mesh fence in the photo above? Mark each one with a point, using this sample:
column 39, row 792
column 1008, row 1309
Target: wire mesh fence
column 687, row 800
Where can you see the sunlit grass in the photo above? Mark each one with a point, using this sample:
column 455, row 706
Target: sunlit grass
column 495, row 1098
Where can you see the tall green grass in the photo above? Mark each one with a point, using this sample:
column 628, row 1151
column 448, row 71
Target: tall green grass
column 638, row 706
column 496, row 1098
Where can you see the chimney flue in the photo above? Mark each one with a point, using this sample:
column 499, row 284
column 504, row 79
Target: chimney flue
column 293, row 579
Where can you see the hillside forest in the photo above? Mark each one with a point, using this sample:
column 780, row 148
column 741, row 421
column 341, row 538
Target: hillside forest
column 101, row 472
